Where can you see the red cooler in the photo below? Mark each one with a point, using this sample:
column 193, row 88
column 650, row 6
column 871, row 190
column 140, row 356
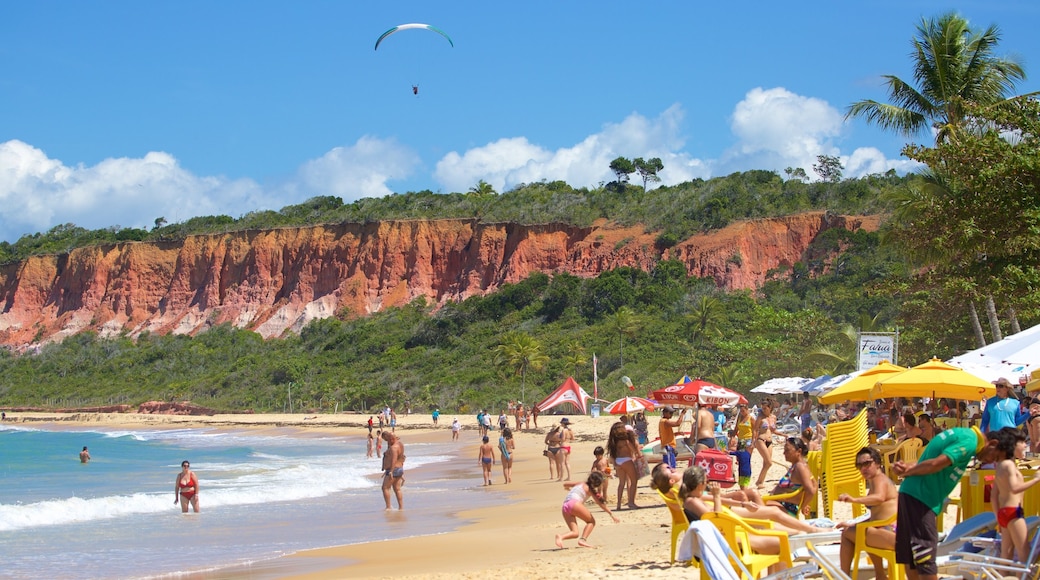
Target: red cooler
column 718, row 465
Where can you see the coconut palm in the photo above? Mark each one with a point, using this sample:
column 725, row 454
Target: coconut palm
column 520, row 352
column 624, row 322
column 575, row 357
column 953, row 65
column 482, row 189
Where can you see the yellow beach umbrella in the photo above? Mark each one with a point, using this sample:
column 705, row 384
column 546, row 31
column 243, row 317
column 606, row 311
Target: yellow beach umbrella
column 934, row 379
column 1034, row 382
column 858, row 387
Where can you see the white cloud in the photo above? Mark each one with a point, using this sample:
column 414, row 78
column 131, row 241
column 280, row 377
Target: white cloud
column 358, row 171
column 508, row 162
column 774, row 129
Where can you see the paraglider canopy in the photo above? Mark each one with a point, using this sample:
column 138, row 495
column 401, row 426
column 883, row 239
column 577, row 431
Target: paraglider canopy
column 410, row 27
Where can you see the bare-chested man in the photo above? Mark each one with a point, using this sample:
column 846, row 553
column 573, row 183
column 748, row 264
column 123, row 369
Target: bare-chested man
column 705, row 428
column 393, row 468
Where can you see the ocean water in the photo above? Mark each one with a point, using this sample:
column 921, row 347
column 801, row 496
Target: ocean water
column 262, row 496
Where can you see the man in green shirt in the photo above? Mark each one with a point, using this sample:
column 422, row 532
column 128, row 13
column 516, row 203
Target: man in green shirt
column 924, row 490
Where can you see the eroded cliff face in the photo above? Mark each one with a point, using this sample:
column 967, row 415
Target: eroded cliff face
column 276, row 281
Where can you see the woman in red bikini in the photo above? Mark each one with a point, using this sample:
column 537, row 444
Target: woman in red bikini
column 186, row 488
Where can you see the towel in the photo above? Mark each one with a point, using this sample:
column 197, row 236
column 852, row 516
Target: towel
column 705, row 541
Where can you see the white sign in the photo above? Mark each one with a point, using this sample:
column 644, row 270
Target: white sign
column 874, row 348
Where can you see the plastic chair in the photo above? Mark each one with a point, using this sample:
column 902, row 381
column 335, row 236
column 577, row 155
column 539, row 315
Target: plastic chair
column 908, row 450
column 795, row 495
column 679, row 522
column 895, row 571
column 738, row 535
column 829, row 570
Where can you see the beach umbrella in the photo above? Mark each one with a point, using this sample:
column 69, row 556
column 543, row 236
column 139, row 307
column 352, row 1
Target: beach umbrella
column 629, row 405
column 934, row 379
column 859, row 386
column 781, row 386
column 688, row 392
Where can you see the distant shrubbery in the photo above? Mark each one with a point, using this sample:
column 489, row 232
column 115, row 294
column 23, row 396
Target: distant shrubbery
column 675, row 211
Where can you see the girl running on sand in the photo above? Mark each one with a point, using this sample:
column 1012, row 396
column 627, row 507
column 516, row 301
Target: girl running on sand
column 574, row 508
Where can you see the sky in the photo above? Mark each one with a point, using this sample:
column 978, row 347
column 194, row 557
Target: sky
column 117, row 113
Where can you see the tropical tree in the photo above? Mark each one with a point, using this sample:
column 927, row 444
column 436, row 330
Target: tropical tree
column 648, row 169
column 482, row 189
column 625, row 322
column 956, row 72
column 575, row 357
column 622, row 168
column 828, row 167
column 705, row 317
column 954, row 65
column 520, row 352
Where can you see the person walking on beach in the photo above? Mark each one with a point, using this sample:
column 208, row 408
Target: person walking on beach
column 623, row 449
column 505, row 449
column 1008, row 488
column 393, row 469
column 370, row 422
column 565, row 446
column 186, row 488
column 574, row 509
column 84, row 456
column 436, row 415
column 764, row 429
column 455, row 428
column 882, row 498
column 486, row 458
column 925, row 488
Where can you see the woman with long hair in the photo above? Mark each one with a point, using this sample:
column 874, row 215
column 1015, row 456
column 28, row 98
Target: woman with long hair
column 623, row 450
column 764, row 429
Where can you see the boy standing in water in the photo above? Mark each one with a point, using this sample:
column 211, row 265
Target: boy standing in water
column 486, row 459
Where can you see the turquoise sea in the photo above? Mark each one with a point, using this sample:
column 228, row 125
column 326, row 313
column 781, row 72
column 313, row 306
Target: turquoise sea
column 262, row 496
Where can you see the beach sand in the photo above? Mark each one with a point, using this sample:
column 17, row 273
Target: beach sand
column 514, row 538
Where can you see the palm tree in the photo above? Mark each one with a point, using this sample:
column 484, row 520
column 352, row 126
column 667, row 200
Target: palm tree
column 520, row 352
column 482, row 189
column 575, row 357
column 953, row 65
column 704, row 317
column 727, row 376
column 624, row 322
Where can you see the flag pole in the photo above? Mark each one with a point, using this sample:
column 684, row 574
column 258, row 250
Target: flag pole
column 595, row 378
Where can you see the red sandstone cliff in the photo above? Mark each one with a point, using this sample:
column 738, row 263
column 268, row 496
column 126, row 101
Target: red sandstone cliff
column 278, row 280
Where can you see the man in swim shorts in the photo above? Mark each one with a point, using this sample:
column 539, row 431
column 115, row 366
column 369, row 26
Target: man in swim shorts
column 705, row 429
column 924, row 490
column 393, row 468
column 486, row 458
column 666, row 431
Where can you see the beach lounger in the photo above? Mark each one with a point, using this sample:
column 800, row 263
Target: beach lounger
column 990, row 567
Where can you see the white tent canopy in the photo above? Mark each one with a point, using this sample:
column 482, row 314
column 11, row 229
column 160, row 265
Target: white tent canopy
column 782, row 386
column 1012, row 357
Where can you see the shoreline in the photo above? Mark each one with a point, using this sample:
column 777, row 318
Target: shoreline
column 514, row 536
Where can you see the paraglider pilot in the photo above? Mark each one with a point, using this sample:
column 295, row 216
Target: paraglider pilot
column 415, row 89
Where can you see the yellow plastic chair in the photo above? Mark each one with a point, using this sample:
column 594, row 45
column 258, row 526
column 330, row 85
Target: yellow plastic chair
column 895, row 571
column 679, row 523
column 908, row 450
column 813, row 501
column 738, row 533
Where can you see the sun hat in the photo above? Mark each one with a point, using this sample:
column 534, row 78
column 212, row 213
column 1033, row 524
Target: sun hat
column 565, row 421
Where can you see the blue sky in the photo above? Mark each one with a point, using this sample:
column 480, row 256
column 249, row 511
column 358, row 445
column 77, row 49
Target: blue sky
column 118, row 112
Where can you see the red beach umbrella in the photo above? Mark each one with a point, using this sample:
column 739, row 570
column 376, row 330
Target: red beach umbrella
column 629, row 405
column 689, row 392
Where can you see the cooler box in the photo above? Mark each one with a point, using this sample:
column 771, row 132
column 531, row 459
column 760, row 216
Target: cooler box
column 718, row 465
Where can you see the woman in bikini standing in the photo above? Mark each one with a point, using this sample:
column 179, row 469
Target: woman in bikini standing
column 623, row 450
column 186, row 488
column 764, row 429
